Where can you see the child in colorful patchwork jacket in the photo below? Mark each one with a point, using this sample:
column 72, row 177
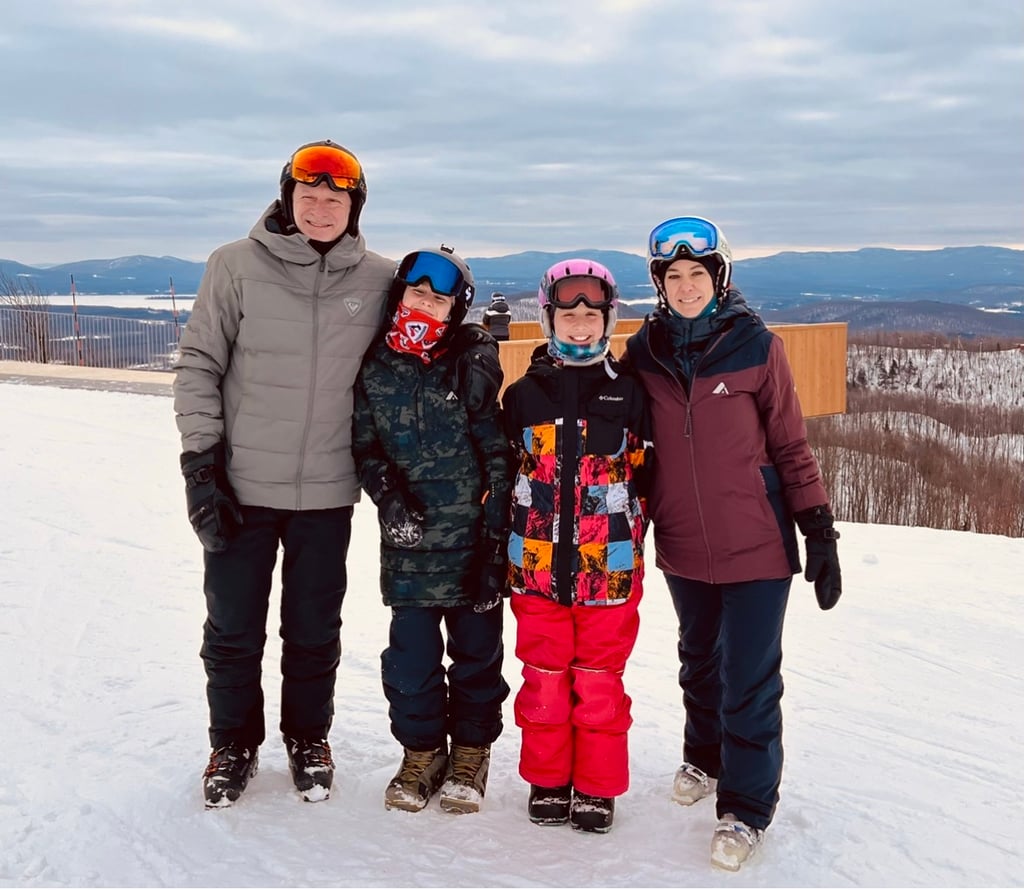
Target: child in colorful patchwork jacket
column 578, row 424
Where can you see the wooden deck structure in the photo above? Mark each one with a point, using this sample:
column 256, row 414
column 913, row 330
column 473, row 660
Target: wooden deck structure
column 816, row 352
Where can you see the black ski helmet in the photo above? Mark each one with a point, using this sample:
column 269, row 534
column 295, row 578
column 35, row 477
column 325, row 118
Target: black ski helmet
column 358, row 191
column 416, row 266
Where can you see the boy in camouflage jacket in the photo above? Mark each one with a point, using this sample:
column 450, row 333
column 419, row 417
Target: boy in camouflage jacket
column 439, row 471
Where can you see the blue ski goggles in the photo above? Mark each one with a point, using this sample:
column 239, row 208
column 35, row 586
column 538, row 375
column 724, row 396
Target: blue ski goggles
column 697, row 236
column 443, row 276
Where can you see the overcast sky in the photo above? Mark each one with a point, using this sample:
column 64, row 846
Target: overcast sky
column 148, row 127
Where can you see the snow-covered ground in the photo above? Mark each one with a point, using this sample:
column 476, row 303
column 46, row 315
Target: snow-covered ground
column 904, row 708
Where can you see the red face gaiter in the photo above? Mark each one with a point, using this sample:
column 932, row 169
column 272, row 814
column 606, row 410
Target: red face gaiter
column 414, row 332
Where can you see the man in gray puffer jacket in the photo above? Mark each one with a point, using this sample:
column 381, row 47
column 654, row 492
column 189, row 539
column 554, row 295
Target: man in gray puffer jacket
column 263, row 397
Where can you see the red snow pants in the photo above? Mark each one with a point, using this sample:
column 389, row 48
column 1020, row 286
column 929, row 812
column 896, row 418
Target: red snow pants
column 572, row 708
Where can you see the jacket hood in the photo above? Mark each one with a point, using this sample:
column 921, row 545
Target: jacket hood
column 733, row 314
column 733, row 305
column 295, row 248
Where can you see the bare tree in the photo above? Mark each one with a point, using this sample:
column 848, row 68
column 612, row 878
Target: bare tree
column 26, row 328
column 925, row 458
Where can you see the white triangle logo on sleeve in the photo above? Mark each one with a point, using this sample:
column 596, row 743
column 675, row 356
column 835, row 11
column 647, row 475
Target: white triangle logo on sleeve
column 721, row 389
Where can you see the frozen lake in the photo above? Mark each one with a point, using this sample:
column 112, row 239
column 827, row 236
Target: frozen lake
column 126, row 301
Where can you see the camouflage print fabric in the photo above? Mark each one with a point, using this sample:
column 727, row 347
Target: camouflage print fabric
column 408, row 419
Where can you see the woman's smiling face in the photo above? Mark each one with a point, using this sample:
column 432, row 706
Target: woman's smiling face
column 689, row 287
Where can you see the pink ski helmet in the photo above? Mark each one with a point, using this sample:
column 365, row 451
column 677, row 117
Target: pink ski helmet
column 550, row 297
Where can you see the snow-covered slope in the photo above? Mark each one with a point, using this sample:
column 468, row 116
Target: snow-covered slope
column 904, row 708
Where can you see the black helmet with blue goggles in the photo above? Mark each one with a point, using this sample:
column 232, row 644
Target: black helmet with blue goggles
column 693, row 238
column 443, row 269
column 445, row 272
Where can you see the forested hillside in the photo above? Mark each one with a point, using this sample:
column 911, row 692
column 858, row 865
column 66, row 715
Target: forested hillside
column 933, row 436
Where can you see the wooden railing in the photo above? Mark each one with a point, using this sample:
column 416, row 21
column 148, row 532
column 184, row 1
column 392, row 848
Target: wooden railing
column 816, row 352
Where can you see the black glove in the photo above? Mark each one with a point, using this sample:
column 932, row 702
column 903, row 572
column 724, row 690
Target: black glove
column 476, row 371
column 496, row 506
column 823, row 569
column 491, row 573
column 212, row 508
column 400, row 525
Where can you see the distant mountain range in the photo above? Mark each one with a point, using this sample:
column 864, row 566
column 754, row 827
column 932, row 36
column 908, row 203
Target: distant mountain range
column 952, row 285
column 124, row 275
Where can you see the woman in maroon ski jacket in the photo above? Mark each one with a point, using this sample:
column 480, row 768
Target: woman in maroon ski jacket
column 735, row 471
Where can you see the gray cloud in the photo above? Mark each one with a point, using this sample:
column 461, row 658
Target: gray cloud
column 138, row 127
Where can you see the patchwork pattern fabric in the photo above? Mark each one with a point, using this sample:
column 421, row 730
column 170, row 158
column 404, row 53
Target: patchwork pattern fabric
column 604, row 527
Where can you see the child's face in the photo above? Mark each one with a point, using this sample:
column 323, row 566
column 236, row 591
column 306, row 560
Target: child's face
column 580, row 325
column 428, row 301
column 688, row 287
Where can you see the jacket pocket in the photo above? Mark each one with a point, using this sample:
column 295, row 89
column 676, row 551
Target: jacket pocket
column 605, row 430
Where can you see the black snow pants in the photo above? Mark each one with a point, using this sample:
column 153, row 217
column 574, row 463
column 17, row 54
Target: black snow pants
column 730, row 655
column 424, row 709
column 237, row 584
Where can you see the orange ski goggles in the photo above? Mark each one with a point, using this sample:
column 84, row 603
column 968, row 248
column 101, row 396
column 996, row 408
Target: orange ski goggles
column 320, row 162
